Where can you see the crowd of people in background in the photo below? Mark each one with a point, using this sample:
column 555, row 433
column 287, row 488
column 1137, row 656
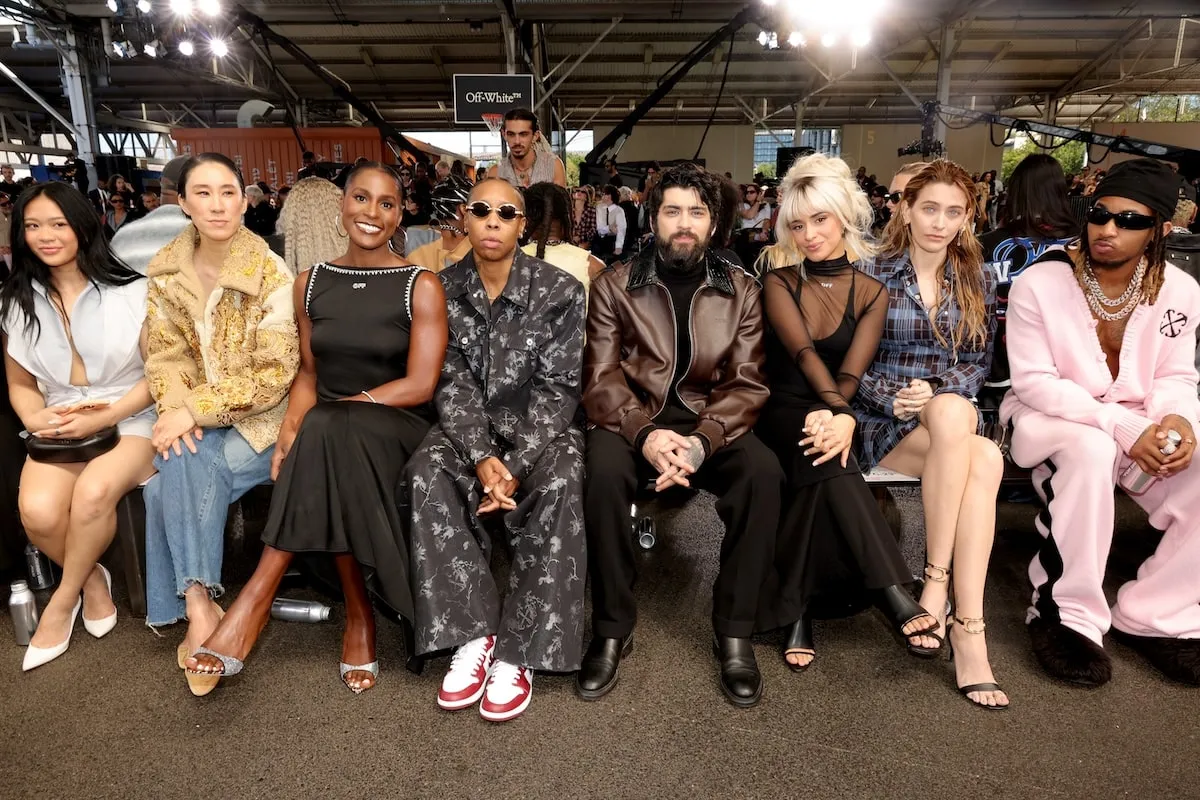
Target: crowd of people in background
column 426, row 358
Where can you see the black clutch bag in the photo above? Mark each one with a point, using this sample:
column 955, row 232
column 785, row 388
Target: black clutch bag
column 72, row 451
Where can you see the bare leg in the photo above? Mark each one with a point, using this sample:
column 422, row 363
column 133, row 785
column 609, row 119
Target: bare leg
column 45, row 504
column 972, row 550
column 358, row 642
column 239, row 630
column 100, row 486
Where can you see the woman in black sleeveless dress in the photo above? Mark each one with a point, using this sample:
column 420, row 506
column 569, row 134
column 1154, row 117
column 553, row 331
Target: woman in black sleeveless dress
column 372, row 341
column 825, row 319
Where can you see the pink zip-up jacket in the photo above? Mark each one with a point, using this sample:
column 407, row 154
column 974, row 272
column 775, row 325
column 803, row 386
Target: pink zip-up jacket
column 1059, row 368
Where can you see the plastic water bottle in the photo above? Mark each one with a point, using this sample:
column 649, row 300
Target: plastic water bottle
column 299, row 610
column 41, row 574
column 23, row 608
column 1134, row 480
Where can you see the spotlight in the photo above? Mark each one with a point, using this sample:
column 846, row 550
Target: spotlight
column 796, row 39
column 763, row 38
column 829, row 39
column 144, row 6
column 186, row 47
column 210, row 7
column 861, row 38
column 152, row 49
column 770, row 2
column 118, row 51
column 181, row 7
column 112, row 5
column 219, row 48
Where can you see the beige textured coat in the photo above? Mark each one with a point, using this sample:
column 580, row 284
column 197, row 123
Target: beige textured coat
column 231, row 360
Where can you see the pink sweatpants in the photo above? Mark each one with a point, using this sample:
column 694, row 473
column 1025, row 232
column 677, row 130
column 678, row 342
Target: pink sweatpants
column 1075, row 469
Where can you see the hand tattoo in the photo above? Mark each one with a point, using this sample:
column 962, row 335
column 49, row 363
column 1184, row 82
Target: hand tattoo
column 695, row 454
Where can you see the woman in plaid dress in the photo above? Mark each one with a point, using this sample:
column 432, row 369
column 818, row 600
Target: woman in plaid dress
column 916, row 411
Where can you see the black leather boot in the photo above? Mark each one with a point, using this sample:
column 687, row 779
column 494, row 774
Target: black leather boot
column 740, row 679
column 601, row 666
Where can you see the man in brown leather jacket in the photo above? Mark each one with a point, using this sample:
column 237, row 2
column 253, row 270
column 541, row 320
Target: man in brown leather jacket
column 673, row 383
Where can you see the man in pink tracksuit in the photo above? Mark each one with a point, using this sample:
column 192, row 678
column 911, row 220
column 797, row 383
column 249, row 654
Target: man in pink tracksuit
column 1102, row 343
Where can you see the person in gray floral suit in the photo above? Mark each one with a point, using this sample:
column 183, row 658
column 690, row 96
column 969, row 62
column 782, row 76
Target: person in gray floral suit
column 508, row 451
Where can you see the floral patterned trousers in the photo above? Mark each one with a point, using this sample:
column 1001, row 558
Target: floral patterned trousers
column 539, row 624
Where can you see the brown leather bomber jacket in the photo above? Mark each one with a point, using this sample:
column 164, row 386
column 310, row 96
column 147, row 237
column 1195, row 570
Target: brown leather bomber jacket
column 629, row 358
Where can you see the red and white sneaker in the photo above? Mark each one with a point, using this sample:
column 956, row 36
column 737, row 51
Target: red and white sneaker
column 464, row 683
column 509, row 690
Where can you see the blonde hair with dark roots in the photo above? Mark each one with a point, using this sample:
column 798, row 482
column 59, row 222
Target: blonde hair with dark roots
column 818, row 182
column 309, row 222
column 964, row 253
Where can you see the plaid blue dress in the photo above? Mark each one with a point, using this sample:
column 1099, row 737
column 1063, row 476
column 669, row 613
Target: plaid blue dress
column 909, row 349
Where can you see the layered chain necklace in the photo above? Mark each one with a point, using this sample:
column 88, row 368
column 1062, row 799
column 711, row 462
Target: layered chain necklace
column 1100, row 303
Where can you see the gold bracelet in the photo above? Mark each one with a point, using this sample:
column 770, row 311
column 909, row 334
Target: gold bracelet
column 369, row 397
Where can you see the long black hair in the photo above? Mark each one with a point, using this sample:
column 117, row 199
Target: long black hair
column 546, row 204
column 95, row 258
column 1037, row 205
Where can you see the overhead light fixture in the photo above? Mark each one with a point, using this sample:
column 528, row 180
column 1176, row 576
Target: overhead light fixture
column 861, row 38
column 186, row 48
column 152, row 49
column 219, row 48
column 796, row 39
column 210, row 7
column 181, row 7
column 829, row 39
column 118, row 51
column 112, row 5
column 144, row 6
column 763, row 38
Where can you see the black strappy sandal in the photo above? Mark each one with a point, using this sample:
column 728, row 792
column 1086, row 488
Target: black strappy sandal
column 977, row 627
column 901, row 610
column 799, row 642
column 938, row 575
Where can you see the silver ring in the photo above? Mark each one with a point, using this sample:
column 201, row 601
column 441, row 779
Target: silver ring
column 487, row 490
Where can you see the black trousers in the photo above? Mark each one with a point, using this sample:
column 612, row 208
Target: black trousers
column 12, row 459
column 747, row 479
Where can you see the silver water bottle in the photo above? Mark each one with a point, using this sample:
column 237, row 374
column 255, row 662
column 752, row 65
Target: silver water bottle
column 299, row 610
column 1134, row 480
column 23, row 608
column 41, row 574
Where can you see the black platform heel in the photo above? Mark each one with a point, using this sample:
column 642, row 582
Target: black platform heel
column 799, row 642
column 901, row 609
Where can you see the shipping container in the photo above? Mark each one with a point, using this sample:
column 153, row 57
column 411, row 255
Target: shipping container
column 273, row 154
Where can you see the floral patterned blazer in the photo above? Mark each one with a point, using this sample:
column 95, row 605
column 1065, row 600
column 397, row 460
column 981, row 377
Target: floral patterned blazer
column 511, row 382
column 230, row 360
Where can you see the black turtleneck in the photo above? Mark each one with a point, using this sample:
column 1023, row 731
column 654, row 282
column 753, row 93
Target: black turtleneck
column 834, row 266
column 682, row 286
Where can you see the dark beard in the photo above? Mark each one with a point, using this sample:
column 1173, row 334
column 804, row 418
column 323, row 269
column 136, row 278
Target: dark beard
column 681, row 258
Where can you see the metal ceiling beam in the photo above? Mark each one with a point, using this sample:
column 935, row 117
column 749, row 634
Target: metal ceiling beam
column 571, row 69
column 1076, row 80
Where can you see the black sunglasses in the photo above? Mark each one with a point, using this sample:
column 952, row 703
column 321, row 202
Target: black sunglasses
column 1126, row 220
column 894, row 198
column 506, row 211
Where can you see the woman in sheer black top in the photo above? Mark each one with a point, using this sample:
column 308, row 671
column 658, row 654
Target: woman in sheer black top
column 825, row 319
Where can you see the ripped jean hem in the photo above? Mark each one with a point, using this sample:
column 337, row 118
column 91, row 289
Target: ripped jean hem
column 215, row 590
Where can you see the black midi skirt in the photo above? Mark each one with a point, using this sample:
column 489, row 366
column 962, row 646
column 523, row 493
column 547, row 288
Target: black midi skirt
column 338, row 491
column 833, row 544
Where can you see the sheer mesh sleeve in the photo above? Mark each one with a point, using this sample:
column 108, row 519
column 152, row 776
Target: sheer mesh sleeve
column 789, row 318
column 870, row 312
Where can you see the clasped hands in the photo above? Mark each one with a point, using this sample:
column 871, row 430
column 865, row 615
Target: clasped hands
column 911, row 400
column 499, row 486
column 71, row 422
column 1147, row 450
column 674, row 455
column 173, row 429
column 829, row 434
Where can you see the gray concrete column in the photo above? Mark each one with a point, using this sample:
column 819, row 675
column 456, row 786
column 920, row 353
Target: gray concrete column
column 945, row 56
column 1050, row 112
column 799, row 132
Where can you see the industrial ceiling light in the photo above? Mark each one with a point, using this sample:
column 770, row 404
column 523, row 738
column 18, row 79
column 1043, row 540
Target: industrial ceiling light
column 219, row 48
column 210, row 7
column 829, row 39
column 186, row 48
column 112, row 5
column 796, row 39
column 861, row 38
column 144, row 6
column 152, row 49
column 181, row 7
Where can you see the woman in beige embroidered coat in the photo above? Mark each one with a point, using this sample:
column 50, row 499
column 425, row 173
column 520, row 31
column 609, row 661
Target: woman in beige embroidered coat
column 222, row 353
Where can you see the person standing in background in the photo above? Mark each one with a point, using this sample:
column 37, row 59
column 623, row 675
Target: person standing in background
column 140, row 240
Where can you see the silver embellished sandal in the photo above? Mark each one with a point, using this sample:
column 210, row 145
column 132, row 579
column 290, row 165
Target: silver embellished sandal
column 230, row 666
column 372, row 668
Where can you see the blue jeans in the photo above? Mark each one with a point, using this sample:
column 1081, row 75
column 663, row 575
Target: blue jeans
column 187, row 503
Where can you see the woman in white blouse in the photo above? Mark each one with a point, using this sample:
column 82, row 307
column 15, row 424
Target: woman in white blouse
column 72, row 318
